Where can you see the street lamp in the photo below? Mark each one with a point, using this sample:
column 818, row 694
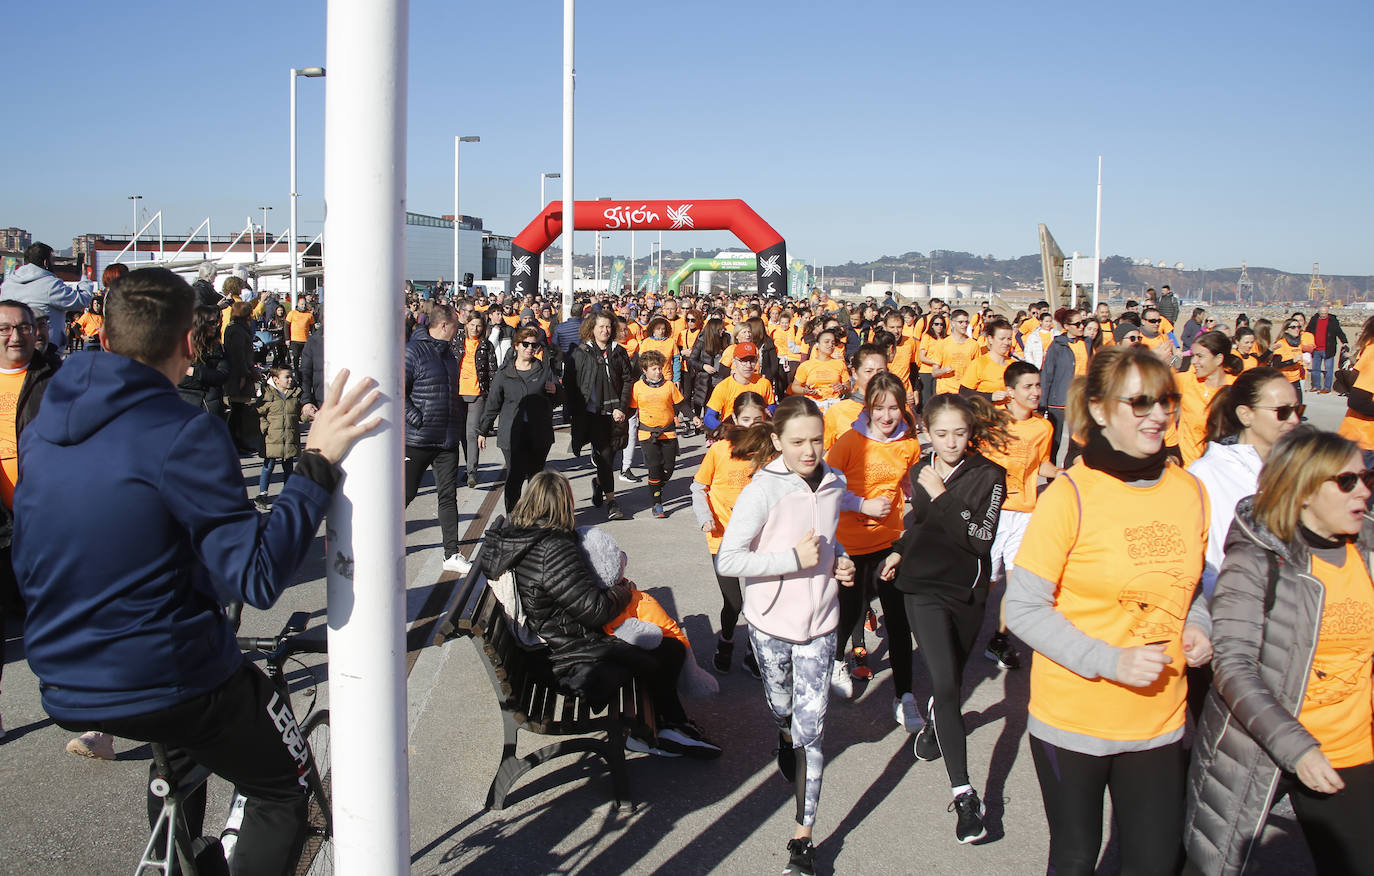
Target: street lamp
column 264, row 233
column 599, row 237
column 457, row 217
column 308, row 73
column 133, row 231
column 542, row 177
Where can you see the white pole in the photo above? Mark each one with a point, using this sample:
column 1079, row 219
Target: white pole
column 569, row 73
column 457, row 217
column 365, row 172
column 291, row 232
column 1097, row 239
column 660, row 255
column 252, row 245
column 632, row 263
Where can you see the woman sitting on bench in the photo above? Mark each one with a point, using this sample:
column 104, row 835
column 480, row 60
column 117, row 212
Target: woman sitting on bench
column 565, row 605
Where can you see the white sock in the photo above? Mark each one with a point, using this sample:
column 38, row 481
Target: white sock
column 960, row 789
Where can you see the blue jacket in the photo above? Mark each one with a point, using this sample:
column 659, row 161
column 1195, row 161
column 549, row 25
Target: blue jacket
column 434, row 413
column 132, row 528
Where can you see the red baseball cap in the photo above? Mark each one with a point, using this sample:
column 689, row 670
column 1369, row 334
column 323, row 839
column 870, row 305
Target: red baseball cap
column 746, row 350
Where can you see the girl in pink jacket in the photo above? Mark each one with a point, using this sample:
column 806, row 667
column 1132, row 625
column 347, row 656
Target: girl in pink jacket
column 780, row 541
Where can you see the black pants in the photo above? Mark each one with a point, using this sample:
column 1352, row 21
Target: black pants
column 296, row 347
column 945, row 632
column 853, row 600
column 1147, row 790
column 445, row 462
column 926, row 385
column 732, row 602
column 1297, row 387
column 10, row 603
column 657, row 670
column 242, row 732
column 1337, row 826
column 1056, row 418
column 660, row 459
column 601, row 435
column 522, row 464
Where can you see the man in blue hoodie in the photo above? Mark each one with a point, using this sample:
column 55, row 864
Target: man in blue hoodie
column 125, row 629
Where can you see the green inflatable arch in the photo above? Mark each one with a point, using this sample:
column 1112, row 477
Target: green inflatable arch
column 730, row 263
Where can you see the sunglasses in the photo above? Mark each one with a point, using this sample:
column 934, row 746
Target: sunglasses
column 1141, row 405
column 531, row 345
column 1152, row 321
column 1283, row 412
column 1345, row 481
column 1074, row 324
column 1133, row 339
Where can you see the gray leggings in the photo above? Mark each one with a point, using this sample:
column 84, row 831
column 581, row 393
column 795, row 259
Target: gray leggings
column 796, row 682
column 472, row 454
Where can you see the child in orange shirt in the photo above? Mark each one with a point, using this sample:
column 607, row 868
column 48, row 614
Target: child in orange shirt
column 660, row 406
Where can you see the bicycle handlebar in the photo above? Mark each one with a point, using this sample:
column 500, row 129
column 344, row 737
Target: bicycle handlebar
column 291, row 640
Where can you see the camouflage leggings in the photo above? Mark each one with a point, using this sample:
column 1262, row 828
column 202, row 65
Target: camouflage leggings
column 796, row 682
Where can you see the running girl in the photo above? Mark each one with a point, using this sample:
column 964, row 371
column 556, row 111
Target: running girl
column 941, row 568
column 781, row 541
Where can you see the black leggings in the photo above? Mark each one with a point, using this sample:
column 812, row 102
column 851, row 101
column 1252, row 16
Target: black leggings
column 853, row 600
column 945, row 632
column 1147, row 790
column 660, row 458
column 1336, row 826
column 522, row 464
column 601, row 435
column 731, row 602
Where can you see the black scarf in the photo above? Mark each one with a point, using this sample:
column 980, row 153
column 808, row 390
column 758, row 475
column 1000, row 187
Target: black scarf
column 1101, row 455
column 1317, row 542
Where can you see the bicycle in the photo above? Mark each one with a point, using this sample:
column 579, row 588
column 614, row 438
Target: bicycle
column 171, row 849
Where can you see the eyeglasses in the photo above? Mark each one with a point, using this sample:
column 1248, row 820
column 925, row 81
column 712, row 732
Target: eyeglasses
column 1345, row 481
column 1283, row 412
column 1132, row 339
column 1152, row 321
column 24, row 328
column 530, row 345
column 1141, row 405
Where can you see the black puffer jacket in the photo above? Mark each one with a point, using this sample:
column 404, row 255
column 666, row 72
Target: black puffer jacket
column 947, row 547
column 238, row 353
column 433, row 417
column 203, row 386
column 485, row 359
column 563, row 602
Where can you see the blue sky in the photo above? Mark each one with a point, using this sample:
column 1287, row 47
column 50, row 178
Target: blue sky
column 1229, row 131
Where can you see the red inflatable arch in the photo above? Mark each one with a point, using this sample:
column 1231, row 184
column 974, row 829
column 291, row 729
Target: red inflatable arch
column 718, row 215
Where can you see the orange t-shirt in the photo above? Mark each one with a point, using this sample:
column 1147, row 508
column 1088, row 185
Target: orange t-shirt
column 656, row 406
column 1028, row 449
column 467, row 372
column 985, row 375
column 302, row 321
column 667, row 346
column 724, row 477
column 872, row 469
column 926, row 347
column 1357, row 427
column 1080, row 357
column 722, row 399
column 11, row 382
column 1284, row 350
column 839, row 418
column 631, row 346
column 646, row 608
column 90, row 323
column 687, row 339
column 513, row 320
column 956, row 353
column 900, row 363
column 1127, row 561
column 1190, row 433
column 781, row 337
column 822, row 375
column 1336, row 707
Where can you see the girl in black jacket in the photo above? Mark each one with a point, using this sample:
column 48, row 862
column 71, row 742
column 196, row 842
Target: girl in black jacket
column 942, row 566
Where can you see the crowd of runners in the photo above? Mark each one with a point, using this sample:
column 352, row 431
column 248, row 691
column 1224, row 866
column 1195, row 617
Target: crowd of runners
column 1135, row 495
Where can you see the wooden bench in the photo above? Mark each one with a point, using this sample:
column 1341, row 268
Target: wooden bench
column 531, row 699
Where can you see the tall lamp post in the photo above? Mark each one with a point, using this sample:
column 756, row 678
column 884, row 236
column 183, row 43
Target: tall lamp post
column 133, row 231
column 264, row 235
column 458, row 217
column 542, row 177
column 309, row 73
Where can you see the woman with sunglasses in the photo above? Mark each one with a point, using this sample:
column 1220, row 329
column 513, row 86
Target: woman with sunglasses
column 686, row 341
column 1293, row 629
column 935, row 331
column 1358, row 424
column 522, row 397
column 1286, row 354
column 1104, row 590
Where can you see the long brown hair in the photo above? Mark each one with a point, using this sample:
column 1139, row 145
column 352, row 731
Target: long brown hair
column 987, row 426
column 760, row 437
column 886, row 383
column 205, row 326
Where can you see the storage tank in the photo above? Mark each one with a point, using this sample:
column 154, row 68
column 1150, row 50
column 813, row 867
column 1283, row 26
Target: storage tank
column 877, row 290
column 920, row 290
column 965, row 290
column 942, row 290
column 908, row 291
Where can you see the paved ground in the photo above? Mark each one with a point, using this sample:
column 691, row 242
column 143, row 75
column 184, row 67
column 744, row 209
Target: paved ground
column 881, row 812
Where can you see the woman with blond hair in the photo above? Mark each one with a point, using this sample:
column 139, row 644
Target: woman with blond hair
column 1293, row 628
column 1105, row 591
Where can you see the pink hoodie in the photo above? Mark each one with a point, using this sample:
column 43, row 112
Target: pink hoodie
column 772, row 514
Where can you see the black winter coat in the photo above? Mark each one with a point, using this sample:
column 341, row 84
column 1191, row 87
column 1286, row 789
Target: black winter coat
column 524, row 407
column 705, row 382
column 434, row 417
column 947, row 547
column 238, row 353
column 1056, row 373
column 563, row 602
column 36, row 379
column 604, row 379
column 204, row 386
column 312, row 370
column 485, row 358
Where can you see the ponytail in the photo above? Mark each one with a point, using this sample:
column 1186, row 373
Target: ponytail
column 988, row 426
column 759, row 438
column 1222, row 421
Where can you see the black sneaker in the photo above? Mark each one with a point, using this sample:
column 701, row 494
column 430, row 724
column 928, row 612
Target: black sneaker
column 630, row 476
column 472, row 480
column 801, row 858
column 969, row 828
column 1000, row 651
column 597, row 497
column 261, row 502
column 688, row 739
column 751, row 665
column 613, row 511
column 926, row 746
column 787, row 758
column 724, row 652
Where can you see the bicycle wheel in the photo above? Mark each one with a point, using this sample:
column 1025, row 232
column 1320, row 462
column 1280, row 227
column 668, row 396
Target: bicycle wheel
column 317, row 854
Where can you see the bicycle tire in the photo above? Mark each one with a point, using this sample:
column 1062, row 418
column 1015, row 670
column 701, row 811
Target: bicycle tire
column 317, row 853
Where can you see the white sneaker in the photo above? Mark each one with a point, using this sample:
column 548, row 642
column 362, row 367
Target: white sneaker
column 840, row 681
column 457, row 563
column 906, row 714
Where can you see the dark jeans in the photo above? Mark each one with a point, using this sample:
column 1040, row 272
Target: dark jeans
column 1323, row 369
column 1056, row 418
column 10, row 603
column 521, row 465
column 1147, row 790
column 296, row 347
column 600, row 434
column 945, row 632
column 1336, row 826
column 268, row 464
column 242, row 732
column 445, row 462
